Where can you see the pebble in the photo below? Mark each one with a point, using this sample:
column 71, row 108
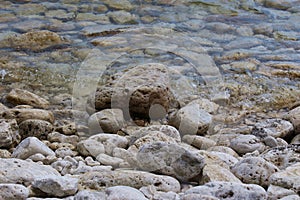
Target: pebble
column 31, row 146
column 243, row 144
column 9, row 135
column 199, row 142
column 107, row 121
column 13, row 191
column 122, row 17
column 57, row 186
column 124, row 193
column 109, row 160
column 254, row 170
column 211, row 173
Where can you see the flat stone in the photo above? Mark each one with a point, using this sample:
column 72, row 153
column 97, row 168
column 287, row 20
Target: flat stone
column 124, row 193
column 288, row 178
column 135, row 179
column 35, row 128
column 13, row 191
column 57, row 186
column 23, row 114
column 107, row 121
column 170, row 159
column 254, row 170
column 9, row 134
column 229, row 191
column 31, row 146
column 191, row 120
column 15, row 170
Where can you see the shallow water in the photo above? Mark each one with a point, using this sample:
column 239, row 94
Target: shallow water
column 248, row 50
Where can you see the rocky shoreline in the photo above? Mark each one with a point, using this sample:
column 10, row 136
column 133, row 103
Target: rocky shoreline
column 158, row 100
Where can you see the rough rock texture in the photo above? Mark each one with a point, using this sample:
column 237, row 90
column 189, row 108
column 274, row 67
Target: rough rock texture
column 136, row 179
column 20, row 97
column 170, row 159
column 276, row 192
column 13, row 191
column 243, row 144
column 254, row 170
column 23, row 114
column 199, row 142
column 136, row 91
column 191, row 120
column 9, row 134
column 57, row 186
column 288, row 178
column 119, row 4
column 107, row 121
column 35, row 128
column 88, row 194
column 230, row 191
column 212, row 173
column 273, row 127
column 19, row 171
column 31, row 146
column 124, row 193
column 294, row 117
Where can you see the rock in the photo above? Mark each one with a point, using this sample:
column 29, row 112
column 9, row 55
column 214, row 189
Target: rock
column 199, row 142
column 243, row 144
column 65, row 151
column 4, row 153
column 198, row 196
column 296, row 139
column 294, row 117
column 24, row 114
column 3, row 108
column 101, row 143
column 254, row 170
column 68, row 129
column 213, row 173
column 57, row 186
column 109, row 160
column 31, row 146
column 119, row 4
column 273, row 127
column 191, row 120
column 35, row 128
column 14, row 170
column 223, row 149
column 20, row 97
column 229, row 191
column 242, row 43
column 288, row 178
column 283, row 156
column 280, row 4
column 276, row 192
column 170, row 159
column 58, row 137
column 87, row 194
column 291, row 197
column 206, row 105
column 228, row 159
column 9, row 134
column 124, row 193
column 34, row 41
column 169, row 131
column 122, row 17
column 136, row 179
column 13, row 191
column 107, row 121
column 137, row 91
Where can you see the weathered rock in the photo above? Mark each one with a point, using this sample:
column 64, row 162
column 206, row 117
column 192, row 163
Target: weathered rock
column 57, row 186
column 34, row 41
column 273, row 127
column 296, row 139
column 198, row 196
column 228, row 159
column 243, row 144
column 170, row 159
column 135, row 179
column 206, row 105
column 283, row 156
column 87, row 194
column 124, row 193
column 223, row 149
column 122, row 17
column 58, row 137
column 9, row 134
column 294, row 117
column 191, row 120
column 24, row 114
column 119, row 5
column 4, row 153
column 14, row 170
column 288, row 178
column 136, row 91
column 13, row 191
column 276, row 192
column 68, row 129
column 35, row 128
column 212, row 173
column 20, row 97
column 291, row 197
column 101, row 143
column 229, row 191
column 62, row 152
column 199, row 142
column 107, row 121
column 31, row 146
column 254, row 170
column 109, row 160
